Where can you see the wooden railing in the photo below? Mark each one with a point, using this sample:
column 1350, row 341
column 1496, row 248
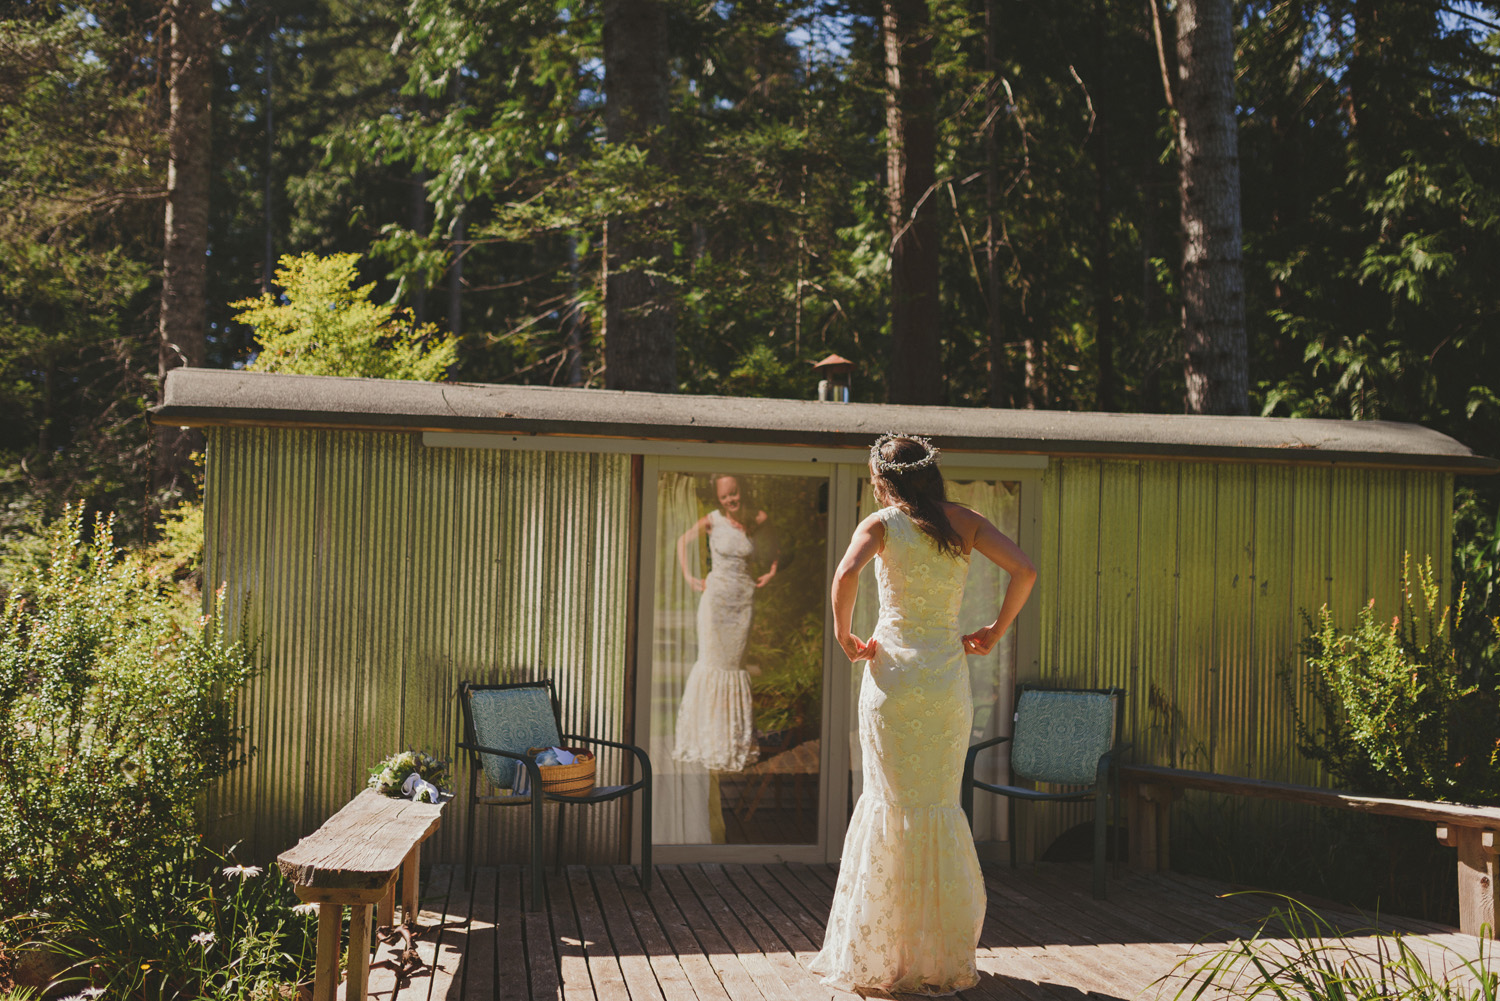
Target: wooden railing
column 1150, row 789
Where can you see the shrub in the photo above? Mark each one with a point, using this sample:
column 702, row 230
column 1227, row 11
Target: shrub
column 1295, row 953
column 114, row 717
column 327, row 326
column 1399, row 710
column 190, row 927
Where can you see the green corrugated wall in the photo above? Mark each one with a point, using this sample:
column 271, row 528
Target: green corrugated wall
column 1185, row 584
column 378, row 575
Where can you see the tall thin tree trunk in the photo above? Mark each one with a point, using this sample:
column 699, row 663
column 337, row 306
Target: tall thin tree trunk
column 183, row 323
column 1215, row 363
column 915, row 370
column 268, row 272
column 995, row 328
column 419, row 223
column 458, row 235
column 1104, row 299
column 1035, row 347
column 640, row 339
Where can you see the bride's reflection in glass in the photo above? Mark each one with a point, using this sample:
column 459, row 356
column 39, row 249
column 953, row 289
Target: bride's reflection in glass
column 716, row 719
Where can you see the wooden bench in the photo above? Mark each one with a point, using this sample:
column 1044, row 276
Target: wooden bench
column 353, row 860
column 1150, row 789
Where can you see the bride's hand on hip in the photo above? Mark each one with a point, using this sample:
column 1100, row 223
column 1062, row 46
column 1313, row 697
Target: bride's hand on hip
column 980, row 642
column 856, row 649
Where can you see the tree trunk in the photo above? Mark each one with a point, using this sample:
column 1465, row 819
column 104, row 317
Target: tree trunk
column 184, row 309
column 268, row 272
column 640, row 342
column 1213, row 285
column 915, row 372
column 993, row 277
column 1104, row 299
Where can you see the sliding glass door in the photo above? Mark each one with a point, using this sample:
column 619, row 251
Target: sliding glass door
column 739, row 618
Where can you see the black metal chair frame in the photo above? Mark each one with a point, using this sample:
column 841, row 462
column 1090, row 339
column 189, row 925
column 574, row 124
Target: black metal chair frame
column 1106, row 783
column 599, row 794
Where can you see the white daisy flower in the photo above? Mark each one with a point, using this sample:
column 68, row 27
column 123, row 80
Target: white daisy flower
column 203, row 938
column 304, row 908
column 242, row 872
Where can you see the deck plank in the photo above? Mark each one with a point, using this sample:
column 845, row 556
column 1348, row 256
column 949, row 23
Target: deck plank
column 746, row 932
column 511, row 982
column 541, row 953
column 567, row 942
column 481, row 953
column 723, row 969
column 670, row 945
column 434, row 904
column 598, row 945
column 744, row 976
column 711, row 883
column 646, row 980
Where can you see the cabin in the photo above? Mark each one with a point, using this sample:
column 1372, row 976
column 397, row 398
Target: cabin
column 384, row 542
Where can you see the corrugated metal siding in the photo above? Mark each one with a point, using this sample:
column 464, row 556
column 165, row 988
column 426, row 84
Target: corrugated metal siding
column 1186, row 583
column 378, row 575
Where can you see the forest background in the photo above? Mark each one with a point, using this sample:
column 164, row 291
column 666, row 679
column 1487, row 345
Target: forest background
column 473, row 155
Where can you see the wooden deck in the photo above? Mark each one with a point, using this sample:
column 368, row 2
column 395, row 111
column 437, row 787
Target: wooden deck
column 745, row 933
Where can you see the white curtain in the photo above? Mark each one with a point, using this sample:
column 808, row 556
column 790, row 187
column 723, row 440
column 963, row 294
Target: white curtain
column 992, row 677
column 683, row 794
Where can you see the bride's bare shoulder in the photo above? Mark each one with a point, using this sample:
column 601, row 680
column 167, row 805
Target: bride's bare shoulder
column 960, row 515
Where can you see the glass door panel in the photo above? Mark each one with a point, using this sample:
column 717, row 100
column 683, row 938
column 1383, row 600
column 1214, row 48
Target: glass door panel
column 737, row 662
column 992, row 676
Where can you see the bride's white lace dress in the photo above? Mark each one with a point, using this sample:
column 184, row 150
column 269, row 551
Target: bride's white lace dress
column 910, row 899
column 716, row 719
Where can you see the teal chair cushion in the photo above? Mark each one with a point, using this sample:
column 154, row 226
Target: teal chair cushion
column 1060, row 736
column 511, row 719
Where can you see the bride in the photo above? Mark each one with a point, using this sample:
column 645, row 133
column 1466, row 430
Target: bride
column 716, row 720
column 910, row 898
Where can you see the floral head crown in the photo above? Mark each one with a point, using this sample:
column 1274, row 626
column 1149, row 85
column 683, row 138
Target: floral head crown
column 887, row 466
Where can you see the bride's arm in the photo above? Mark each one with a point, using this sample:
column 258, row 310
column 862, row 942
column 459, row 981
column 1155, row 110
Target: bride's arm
column 868, row 539
column 995, row 546
column 700, row 526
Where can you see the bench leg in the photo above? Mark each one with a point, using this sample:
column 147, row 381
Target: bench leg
column 385, row 911
column 1478, row 904
column 409, row 894
column 359, row 953
column 330, row 925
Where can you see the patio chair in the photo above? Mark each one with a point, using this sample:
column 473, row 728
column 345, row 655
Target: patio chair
column 1063, row 737
column 501, row 724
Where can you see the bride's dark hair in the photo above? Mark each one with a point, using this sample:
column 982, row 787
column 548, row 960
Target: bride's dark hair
column 920, row 492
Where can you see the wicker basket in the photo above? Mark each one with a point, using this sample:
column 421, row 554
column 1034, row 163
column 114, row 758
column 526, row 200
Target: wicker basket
column 568, row 780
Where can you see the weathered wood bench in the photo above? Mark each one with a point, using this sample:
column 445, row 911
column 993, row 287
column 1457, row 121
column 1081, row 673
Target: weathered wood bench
column 1150, row 789
column 354, row 860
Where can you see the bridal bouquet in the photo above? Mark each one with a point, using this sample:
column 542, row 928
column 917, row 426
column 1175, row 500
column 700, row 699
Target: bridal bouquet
column 416, row 775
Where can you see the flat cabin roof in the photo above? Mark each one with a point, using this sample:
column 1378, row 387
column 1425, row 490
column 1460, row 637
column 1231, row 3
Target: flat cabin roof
column 199, row 397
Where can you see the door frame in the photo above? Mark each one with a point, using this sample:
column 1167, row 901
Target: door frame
column 843, row 471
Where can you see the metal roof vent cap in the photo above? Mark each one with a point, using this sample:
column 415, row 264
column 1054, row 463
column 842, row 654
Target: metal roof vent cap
column 836, row 373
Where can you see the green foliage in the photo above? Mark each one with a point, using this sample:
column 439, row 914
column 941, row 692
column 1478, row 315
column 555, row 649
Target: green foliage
column 1295, row 953
column 114, row 716
column 188, row 927
column 1399, row 712
column 788, row 691
column 81, row 173
column 324, row 325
